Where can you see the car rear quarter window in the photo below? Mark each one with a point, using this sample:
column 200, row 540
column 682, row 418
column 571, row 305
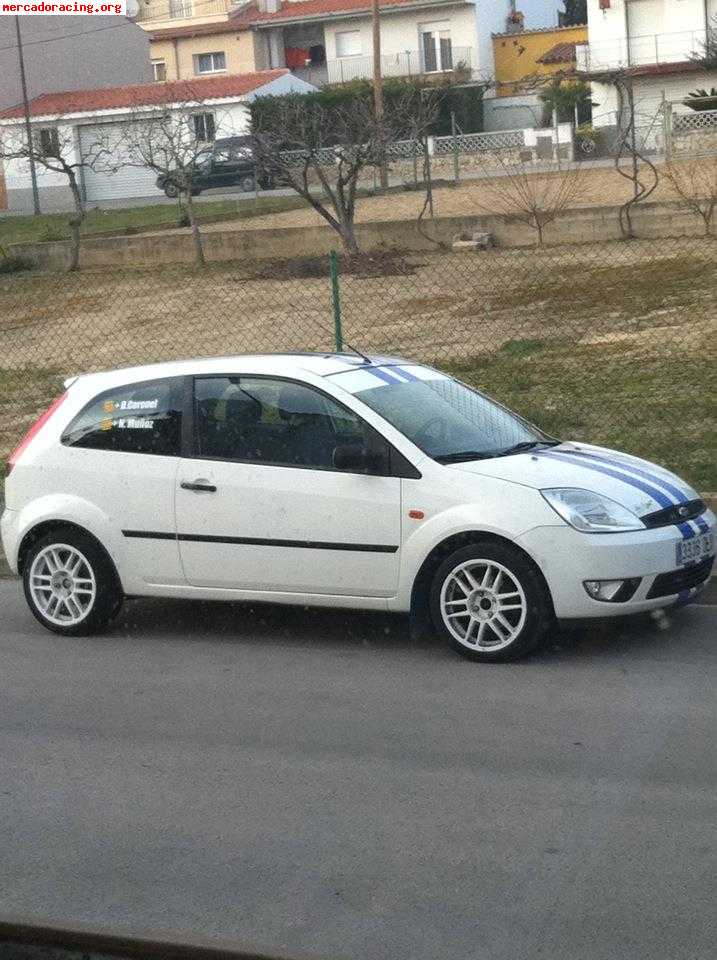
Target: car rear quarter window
column 136, row 418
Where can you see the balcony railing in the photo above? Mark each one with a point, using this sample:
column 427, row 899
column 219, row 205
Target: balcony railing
column 647, row 50
column 151, row 10
column 406, row 64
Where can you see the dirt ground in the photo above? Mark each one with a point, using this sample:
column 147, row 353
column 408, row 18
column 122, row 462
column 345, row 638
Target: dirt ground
column 596, row 186
column 601, row 340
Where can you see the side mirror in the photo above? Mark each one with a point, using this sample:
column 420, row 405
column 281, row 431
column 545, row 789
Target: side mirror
column 357, row 457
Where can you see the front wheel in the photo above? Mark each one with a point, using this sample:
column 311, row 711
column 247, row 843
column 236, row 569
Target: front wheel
column 70, row 585
column 247, row 184
column 489, row 602
column 171, row 191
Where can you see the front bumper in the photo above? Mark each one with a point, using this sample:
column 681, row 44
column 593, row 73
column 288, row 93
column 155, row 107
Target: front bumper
column 568, row 558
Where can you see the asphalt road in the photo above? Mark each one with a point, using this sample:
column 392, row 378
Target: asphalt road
column 317, row 782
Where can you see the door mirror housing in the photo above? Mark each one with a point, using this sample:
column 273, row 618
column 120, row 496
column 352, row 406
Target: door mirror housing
column 360, row 459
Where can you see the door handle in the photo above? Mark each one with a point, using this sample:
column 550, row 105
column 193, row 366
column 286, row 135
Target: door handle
column 199, row 486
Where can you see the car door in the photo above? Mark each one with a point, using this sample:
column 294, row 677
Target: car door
column 122, row 455
column 260, row 505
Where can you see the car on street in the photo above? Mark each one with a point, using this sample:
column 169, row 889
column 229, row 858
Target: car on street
column 339, row 480
column 228, row 162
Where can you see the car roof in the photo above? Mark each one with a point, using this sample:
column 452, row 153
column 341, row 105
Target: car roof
column 277, row 364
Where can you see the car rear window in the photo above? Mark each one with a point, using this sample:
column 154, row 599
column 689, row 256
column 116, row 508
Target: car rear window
column 136, row 418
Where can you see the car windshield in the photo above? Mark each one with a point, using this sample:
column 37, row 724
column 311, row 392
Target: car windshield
column 446, row 419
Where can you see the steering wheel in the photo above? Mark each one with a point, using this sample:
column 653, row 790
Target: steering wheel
column 427, row 434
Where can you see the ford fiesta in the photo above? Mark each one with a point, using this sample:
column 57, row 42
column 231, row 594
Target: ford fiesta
column 334, row 480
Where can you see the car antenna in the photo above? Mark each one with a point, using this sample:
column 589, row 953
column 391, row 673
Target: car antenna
column 345, row 343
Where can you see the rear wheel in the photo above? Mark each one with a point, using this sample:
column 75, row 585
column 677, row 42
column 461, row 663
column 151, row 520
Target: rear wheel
column 489, row 602
column 247, row 184
column 70, row 585
column 171, row 191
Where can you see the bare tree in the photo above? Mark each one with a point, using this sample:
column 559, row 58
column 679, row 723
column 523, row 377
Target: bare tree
column 172, row 141
column 55, row 149
column 514, row 189
column 695, row 183
column 319, row 147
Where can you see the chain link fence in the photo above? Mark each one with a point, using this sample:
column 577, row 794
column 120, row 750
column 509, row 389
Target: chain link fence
column 608, row 342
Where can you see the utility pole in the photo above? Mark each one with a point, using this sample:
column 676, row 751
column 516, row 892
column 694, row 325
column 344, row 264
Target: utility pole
column 378, row 88
column 28, row 127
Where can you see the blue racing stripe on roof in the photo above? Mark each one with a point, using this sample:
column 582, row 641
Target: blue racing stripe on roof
column 382, row 374
column 657, row 495
column 639, row 471
column 405, row 373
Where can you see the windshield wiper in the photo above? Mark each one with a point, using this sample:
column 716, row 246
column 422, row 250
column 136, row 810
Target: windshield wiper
column 463, row 455
column 527, row 445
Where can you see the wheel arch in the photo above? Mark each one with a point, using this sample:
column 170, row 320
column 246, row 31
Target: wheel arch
column 420, row 591
column 35, row 533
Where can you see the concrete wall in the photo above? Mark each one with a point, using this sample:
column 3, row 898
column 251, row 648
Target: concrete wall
column 178, row 55
column 511, row 113
column 573, row 226
column 99, row 52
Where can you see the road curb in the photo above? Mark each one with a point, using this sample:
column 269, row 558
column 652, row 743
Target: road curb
column 37, row 940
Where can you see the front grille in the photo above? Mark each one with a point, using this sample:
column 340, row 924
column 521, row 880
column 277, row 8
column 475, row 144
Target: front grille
column 677, row 513
column 675, row 581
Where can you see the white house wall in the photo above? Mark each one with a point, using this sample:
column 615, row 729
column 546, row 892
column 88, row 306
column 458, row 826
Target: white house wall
column 52, row 186
column 401, row 32
column 231, row 119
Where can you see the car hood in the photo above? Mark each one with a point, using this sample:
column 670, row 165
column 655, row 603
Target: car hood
column 637, row 484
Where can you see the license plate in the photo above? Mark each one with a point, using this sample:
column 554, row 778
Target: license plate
column 695, row 549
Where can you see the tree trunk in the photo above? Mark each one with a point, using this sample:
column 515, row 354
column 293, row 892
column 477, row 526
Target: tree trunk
column 348, row 236
column 196, row 235
column 75, row 222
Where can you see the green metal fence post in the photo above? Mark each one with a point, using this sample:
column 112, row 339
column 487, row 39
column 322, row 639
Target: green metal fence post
column 336, row 299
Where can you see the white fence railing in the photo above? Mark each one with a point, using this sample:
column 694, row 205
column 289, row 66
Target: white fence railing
column 479, row 142
column 638, row 51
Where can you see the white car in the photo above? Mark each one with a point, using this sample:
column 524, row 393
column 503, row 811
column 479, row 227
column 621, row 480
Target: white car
column 338, row 480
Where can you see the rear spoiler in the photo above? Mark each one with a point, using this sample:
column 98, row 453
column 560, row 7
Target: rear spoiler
column 70, row 380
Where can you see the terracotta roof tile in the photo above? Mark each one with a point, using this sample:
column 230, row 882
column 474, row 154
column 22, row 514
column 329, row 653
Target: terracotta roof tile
column 197, row 30
column 560, row 53
column 145, row 94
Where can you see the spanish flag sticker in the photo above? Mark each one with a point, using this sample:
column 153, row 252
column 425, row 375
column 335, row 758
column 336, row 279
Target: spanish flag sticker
column 108, row 406
column 106, row 424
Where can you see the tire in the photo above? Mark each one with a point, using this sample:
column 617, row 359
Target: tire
column 466, row 577
column 171, row 191
column 81, row 595
column 247, row 184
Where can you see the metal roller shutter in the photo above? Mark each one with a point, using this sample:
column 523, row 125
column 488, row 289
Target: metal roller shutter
column 127, row 182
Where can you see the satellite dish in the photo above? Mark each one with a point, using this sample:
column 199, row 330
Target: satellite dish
column 132, row 9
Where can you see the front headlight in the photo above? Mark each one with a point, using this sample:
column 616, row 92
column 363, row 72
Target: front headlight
column 590, row 512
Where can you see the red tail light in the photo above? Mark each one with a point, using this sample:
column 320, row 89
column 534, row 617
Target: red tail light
column 31, row 433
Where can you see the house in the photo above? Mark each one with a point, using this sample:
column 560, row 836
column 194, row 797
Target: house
column 88, row 51
column 217, row 107
column 653, row 42
column 523, row 60
column 330, row 41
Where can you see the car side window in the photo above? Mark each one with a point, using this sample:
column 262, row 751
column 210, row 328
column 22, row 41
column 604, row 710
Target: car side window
column 136, row 418
column 277, row 422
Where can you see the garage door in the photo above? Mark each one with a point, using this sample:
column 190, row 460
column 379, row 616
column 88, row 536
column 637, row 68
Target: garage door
column 128, row 181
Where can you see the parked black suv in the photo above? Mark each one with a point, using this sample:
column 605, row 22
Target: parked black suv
column 227, row 163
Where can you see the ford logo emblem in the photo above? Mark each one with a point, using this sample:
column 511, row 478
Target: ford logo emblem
column 682, row 512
